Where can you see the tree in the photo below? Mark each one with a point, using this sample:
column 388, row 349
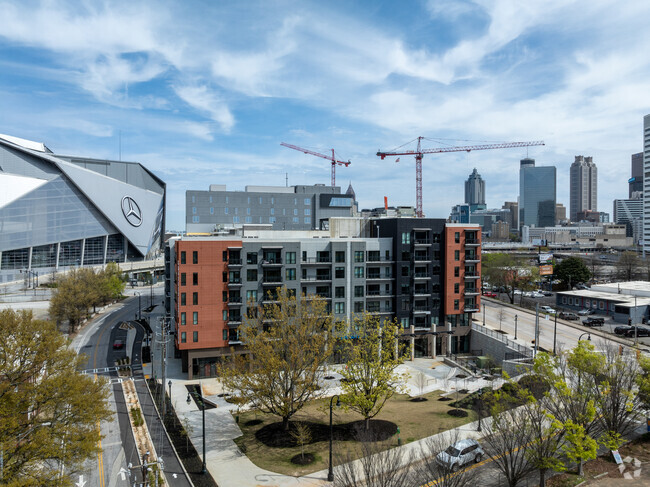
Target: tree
column 288, row 343
column 73, row 296
column 545, row 439
column 578, row 446
column 571, row 270
column 369, row 377
column 509, row 271
column 302, row 435
column 48, row 410
column 627, row 265
column 111, row 283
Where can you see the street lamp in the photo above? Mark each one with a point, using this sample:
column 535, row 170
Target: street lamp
column 330, row 471
column 555, row 333
column 170, row 392
column 586, row 333
column 515, row 331
column 199, row 395
column 480, row 403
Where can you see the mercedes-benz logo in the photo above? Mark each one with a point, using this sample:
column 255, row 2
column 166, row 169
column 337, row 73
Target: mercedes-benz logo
column 131, row 211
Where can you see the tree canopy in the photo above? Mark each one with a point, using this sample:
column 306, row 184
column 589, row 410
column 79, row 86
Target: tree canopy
column 288, row 343
column 49, row 411
column 508, row 271
column 571, row 270
column 372, row 355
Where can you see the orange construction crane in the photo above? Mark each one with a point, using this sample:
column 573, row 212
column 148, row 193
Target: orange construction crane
column 331, row 158
column 419, row 153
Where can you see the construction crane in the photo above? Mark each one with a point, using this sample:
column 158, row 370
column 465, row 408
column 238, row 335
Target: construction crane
column 331, row 158
column 419, row 153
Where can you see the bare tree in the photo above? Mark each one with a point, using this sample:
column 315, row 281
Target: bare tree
column 421, row 380
column 302, row 435
column 501, row 315
column 444, row 475
column 373, row 463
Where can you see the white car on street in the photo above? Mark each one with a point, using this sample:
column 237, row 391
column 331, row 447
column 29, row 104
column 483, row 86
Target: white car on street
column 547, row 309
column 462, row 453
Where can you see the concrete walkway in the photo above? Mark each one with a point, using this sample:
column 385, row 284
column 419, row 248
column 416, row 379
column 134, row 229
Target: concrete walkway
column 231, row 468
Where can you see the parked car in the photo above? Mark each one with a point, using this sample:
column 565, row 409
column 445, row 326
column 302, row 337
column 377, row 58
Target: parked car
column 547, row 293
column 585, row 312
column 592, row 321
column 621, row 330
column 118, row 344
column 581, row 286
column 490, row 294
column 565, row 315
column 462, row 453
column 536, row 294
column 640, row 332
column 517, row 291
column 547, row 309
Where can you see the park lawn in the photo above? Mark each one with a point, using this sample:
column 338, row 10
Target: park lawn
column 415, row 420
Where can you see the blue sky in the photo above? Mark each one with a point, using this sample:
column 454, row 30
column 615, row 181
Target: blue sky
column 204, row 92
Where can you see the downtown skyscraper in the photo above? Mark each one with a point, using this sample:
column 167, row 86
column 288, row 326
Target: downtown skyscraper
column 583, row 186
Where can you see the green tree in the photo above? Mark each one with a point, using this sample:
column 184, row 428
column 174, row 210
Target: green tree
column 369, row 377
column 75, row 294
column 288, row 343
column 111, row 283
column 509, row 271
column 571, row 270
column 579, row 446
column 49, row 411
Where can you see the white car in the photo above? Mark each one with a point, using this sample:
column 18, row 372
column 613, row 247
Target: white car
column 547, row 309
column 536, row 294
column 462, row 453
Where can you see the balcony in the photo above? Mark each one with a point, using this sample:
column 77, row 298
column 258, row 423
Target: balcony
column 422, row 241
column 323, row 278
column 271, row 280
column 471, row 242
column 421, row 275
column 234, row 342
column 472, row 258
column 471, row 291
column 378, row 294
column 234, row 301
column 421, row 292
column 271, row 262
column 380, row 309
column 421, row 310
column 378, row 259
column 421, row 258
column 234, row 281
column 234, row 262
column 378, row 277
column 234, row 321
column 316, row 260
column 471, row 308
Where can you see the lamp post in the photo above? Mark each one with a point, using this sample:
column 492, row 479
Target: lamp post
column 170, row 392
column 515, row 329
column 483, row 305
column 480, row 403
column 330, row 471
column 139, row 308
column 588, row 336
column 189, row 400
column 555, row 333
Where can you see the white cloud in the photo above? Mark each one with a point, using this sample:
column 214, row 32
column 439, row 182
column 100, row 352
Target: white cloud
column 205, row 100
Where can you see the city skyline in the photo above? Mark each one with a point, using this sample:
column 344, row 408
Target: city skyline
column 205, row 95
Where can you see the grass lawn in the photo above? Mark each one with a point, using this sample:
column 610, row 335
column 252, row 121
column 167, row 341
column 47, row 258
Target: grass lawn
column 415, row 420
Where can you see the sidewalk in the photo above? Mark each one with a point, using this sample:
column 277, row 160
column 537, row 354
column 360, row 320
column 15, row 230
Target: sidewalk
column 229, row 467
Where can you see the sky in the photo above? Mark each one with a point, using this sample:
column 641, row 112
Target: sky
column 204, row 92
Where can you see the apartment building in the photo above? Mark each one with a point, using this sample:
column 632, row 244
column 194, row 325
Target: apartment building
column 394, row 268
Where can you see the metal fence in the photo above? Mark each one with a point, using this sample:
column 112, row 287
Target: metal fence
column 523, row 350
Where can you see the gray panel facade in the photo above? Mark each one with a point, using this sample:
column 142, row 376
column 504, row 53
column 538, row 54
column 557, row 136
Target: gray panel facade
column 537, row 194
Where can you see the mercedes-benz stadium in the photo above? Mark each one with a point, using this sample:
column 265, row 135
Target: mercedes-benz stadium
column 59, row 211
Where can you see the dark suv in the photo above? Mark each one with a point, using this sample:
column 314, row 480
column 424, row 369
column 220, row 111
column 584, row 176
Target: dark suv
column 640, row 332
column 592, row 321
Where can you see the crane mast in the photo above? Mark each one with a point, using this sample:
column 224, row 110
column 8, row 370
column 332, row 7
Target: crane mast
column 419, row 154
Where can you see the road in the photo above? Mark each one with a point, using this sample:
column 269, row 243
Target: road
column 111, row 467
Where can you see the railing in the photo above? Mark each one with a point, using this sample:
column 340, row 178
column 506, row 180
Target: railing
column 317, row 260
column 420, row 275
column 232, row 261
column 422, row 241
column 234, row 299
column 502, row 338
column 381, row 309
column 271, row 280
column 234, row 280
column 271, row 261
column 317, row 278
column 421, row 258
column 379, row 259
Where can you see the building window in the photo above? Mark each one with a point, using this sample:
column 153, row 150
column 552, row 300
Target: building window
column 183, row 337
column 307, row 212
column 195, row 257
column 456, row 304
column 272, row 219
column 456, row 271
column 183, row 299
column 195, row 336
column 358, row 306
column 226, row 200
column 295, row 211
column 339, row 272
column 183, row 279
column 211, row 210
column 236, row 211
column 290, row 257
column 194, row 210
column 224, row 296
column 339, row 292
column 358, row 255
column 307, row 220
column 358, row 291
column 272, row 211
column 195, row 299
column 251, row 295
column 193, row 199
column 225, row 335
column 406, row 238
column 456, row 288
column 405, row 271
column 183, row 257
column 290, row 274
column 358, row 272
column 406, row 255
column 225, row 210
column 248, row 211
column 457, row 237
column 456, row 254
column 296, row 219
column 235, row 219
column 339, row 308
column 404, row 322
column 251, row 274
column 195, row 318
column 195, row 279
column 251, row 257
column 308, row 201
column 183, row 318
column 225, row 315
column 339, row 256
column 406, row 289
column 249, row 219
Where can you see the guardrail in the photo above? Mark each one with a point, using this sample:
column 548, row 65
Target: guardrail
column 525, row 351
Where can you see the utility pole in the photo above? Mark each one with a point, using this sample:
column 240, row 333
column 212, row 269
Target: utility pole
column 536, row 328
column 162, row 364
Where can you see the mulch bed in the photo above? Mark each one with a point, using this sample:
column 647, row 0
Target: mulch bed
column 418, row 399
column 305, row 459
column 458, row 413
column 273, row 435
column 329, row 377
column 445, row 399
column 253, row 422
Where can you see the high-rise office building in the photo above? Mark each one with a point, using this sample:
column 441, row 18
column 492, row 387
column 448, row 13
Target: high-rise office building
column 646, row 184
column 537, row 194
column 560, row 213
column 513, row 206
column 475, row 191
column 628, row 212
column 636, row 177
column 583, row 186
